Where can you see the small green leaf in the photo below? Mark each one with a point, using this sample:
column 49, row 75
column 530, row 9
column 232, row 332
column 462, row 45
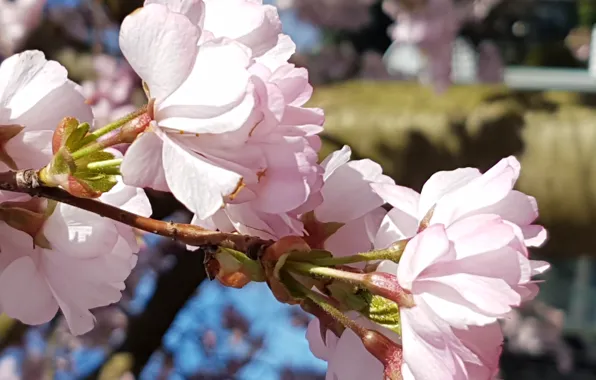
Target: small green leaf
column 74, row 136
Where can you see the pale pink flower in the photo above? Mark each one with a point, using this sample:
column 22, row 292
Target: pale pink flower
column 249, row 22
column 65, row 257
column 35, row 94
column 229, row 123
column 335, row 227
column 462, row 276
column 17, row 19
column 449, row 196
column 84, row 266
column 348, row 198
column 460, row 280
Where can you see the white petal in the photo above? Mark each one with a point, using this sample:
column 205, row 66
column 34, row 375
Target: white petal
column 335, row 160
column 425, row 249
column 143, row 165
column 38, row 93
column 80, row 233
column 25, row 295
column 193, row 9
column 31, row 149
column 396, row 225
column 195, row 181
column 161, row 46
column 441, row 184
column 217, row 95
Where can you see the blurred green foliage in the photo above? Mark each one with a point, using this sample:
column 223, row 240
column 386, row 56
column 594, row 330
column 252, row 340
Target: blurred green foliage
column 413, row 133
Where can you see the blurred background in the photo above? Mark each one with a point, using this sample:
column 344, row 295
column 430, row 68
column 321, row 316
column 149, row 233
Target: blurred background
column 417, row 85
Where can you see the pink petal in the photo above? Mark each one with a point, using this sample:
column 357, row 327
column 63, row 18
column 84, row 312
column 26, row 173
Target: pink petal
column 423, row 250
column 254, row 25
column 279, row 54
column 24, row 294
column 351, row 184
column 442, row 183
column 193, row 9
column 351, row 361
column 350, row 239
column 80, row 233
column 490, row 295
column 484, row 191
column 534, row 235
column 427, row 350
column 150, row 38
column 195, row 181
column 216, row 96
column 396, row 225
column 143, row 164
column 335, row 160
column 480, row 233
column 402, row 198
column 320, row 348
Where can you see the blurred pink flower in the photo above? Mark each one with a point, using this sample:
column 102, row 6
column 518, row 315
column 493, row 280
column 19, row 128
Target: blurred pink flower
column 433, row 27
column 17, row 19
column 110, row 93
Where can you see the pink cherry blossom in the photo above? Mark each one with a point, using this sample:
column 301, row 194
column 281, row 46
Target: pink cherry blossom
column 35, row 94
column 229, row 126
column 350, row 183
column 17, row 19
column 449, row 196
column 462, row 276
column 461, row 280
column 344, row 182
column 84, row 266
column 55, row 257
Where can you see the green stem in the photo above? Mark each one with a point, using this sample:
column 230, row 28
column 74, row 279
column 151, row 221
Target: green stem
column 91, row 148
column 107, row 164
column 324, row 272
column 392, row 253
column 112, row 126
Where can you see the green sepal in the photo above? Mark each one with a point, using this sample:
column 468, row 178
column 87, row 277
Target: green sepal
column 383, row 312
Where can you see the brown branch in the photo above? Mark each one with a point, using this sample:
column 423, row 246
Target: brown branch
column 27, row 181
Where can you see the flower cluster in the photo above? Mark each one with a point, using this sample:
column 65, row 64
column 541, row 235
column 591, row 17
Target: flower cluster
column 229, row 127
column 465, row 265
column 56, row 255
column 416, row 292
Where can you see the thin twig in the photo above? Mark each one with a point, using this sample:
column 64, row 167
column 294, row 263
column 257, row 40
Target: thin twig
column 27, row 181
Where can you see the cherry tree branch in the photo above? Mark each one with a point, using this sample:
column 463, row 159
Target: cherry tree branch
column 27, row 182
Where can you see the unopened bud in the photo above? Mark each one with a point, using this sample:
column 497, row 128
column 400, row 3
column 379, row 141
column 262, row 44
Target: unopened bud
column 129, row 132
column 386, row 351
column 277, row 253
column 224, row 264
